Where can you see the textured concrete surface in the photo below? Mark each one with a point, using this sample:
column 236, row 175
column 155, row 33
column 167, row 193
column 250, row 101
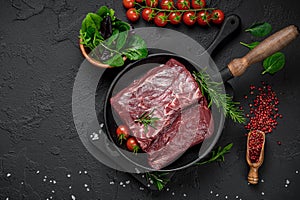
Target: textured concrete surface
column 41, row 155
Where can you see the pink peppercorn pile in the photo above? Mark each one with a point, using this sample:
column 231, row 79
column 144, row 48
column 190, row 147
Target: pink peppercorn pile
column 263, row 112
column 255, row 144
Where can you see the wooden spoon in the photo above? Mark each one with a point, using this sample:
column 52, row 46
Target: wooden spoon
column 253, row 172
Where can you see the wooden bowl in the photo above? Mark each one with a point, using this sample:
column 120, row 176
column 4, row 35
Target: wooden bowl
column 94, row 62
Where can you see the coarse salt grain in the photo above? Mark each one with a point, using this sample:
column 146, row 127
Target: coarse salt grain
column 51, row 197
column 85, row 185
column 236, row 197
column 173, row 193
column 217, row 195
column 287, row 181
column 7, row 198
column 85, row 172
column 127, row 182
column 297, row 172
column 50, row 181
column 8, row 175
column 53, row 191
column 226, row 197
column 70, row 187
column 54, row 181
column 37, row 172
column 121, row 183
column 79, row 172
column 168, row 189
column 286, row 186
column 111, row 183
column 141, row 188
column 184, row 195
column 88, row 189
column 262, row 193
column 262, row 180
column 44, row 180
column 211, row 191
column 45, row 176
column 148, row 185
column 124, row 185
column 73, row 197
column 151, row 181
column 68, row 175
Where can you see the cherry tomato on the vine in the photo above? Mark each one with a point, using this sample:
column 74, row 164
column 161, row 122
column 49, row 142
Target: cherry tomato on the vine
column 198, row 4
column 167, row 4
column 183, row 4
column 161, row 19
column 189, row 18
column 139, row 1
column 217, row 16
column 122, row 133
column 203, row 18
column 128, row 3
column 132, row 145
column 132, row 14
column 148, row 14
column 175, row 17
column 152, row 3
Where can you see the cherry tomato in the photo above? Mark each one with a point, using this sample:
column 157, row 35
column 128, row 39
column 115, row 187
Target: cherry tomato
column 175, row 18
column 132, row 14
column 198, row 4
column 122, row 133
column 183, row 4
column 152, row 3
column 128, row 3
column 217, row 16
column 189, row 18
column 148, row 14
column 167, row 4
column 139, row 1
column 203, row 18
column 132, row 145
column 161, row 19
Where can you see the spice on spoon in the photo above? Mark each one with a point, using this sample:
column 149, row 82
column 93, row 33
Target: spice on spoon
column 255, row 154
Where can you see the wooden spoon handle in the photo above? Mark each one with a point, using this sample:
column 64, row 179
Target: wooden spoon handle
column 253, row 175
column 269, row 46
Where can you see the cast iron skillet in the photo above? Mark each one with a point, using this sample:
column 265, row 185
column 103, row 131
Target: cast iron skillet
column 235, row 68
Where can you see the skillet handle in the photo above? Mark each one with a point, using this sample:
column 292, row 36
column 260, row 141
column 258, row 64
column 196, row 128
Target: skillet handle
column 230, row 25
column 266, row 48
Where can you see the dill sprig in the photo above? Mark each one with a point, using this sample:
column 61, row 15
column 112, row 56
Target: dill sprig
column 147, row 120
column 214, row 94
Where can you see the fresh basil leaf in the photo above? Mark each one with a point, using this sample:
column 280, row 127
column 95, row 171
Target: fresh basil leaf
column 93, row 20
column 121, row 40
column 122, row 26
column 251, row 45
column 115, row 61
column 260, row 29
column 112, row 38
column 103, row 11
column 274, row 63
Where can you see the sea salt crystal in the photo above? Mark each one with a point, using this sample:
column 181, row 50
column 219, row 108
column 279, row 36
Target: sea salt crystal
column 85, row 172
column 297, row 172
column 262, row 180
column 127, row 182
column 168, row 189
column 111, row 183
column 226, row 197
column 50, row 181
column 236, row 197
column 88, row 189
column 8, row 175
column 173, row 193
column 141, row 188
column 121, row 183
column 7, row 198
column 37, row 172
column 73, row 197
column 148, row 185
column 54, row 182
column 151, row 181
column 217, row 195
column 184, row 194
column 53, row 191
column 211, row 191
column 286, row 186
column 70, row 187
column 44, row 180
column 79, row 172
column 51, row 197
column 287, row 182
column 263, row 193
column 143, row 176
column 85, row 185
column 124, row 185
column 68, row 175
column 45, row 177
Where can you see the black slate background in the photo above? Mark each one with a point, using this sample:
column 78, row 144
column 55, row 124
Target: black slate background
column 39, row 146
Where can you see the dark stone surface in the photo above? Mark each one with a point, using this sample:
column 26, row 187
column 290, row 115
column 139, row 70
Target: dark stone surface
column 41, row 155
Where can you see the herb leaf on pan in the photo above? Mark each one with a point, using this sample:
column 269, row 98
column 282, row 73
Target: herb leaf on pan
column 260, row 29
column 147, row 120
column 215, row 95
column 274, row 63
column 218, row 155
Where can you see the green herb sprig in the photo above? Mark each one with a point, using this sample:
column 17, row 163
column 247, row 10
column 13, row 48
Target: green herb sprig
column 159, row 179
column 217, row 155
column 147, row 120
column 215, row 95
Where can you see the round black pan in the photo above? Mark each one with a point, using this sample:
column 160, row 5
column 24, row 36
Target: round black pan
column 235, row 68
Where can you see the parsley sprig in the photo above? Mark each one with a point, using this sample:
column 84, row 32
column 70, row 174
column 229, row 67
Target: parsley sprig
column 215, row 95
column 147, row 120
